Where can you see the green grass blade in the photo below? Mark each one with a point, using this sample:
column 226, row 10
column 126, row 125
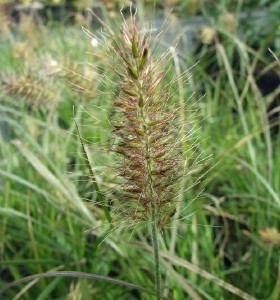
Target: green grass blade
column 74, row 274
column 99, row 195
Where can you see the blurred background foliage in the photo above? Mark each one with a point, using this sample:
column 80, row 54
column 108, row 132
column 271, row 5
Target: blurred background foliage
column 227, row 234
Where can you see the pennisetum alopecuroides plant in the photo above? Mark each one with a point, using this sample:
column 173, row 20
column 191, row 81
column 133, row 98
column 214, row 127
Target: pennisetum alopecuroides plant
column 145, row 137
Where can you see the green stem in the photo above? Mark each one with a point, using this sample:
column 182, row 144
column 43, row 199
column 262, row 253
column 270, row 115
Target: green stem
column 156, row 253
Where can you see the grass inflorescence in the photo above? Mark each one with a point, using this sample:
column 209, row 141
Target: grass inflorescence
column 37, row 92
column 145, row 138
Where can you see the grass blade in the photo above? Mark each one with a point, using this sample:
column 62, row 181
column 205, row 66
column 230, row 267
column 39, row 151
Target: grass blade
column 99, row 195
column 74, row 274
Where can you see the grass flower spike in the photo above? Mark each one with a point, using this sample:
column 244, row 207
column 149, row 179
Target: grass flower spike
column 36, row 92
column 145, row 137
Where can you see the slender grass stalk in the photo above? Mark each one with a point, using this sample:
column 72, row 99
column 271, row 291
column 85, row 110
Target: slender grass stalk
column 156, row 253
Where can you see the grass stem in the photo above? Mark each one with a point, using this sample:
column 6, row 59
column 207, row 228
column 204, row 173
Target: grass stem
column 156, row 253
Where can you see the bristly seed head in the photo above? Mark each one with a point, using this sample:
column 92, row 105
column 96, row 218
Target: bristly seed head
column 144, row 136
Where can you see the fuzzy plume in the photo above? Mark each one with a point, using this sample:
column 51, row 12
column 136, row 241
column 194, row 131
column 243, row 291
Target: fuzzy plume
column 145, row 137
column 35, row 91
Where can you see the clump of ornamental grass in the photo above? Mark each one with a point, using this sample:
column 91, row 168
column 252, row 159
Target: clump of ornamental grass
column 145, row 136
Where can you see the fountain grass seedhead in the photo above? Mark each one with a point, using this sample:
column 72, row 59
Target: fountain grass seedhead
column 35, row 91
column 145, row 137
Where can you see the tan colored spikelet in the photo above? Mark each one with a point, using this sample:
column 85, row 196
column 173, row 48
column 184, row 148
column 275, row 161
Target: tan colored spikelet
column 35, row 91
column 80, row 19
column 228, row 21
column 145, row 138
column 270, row 236
column 208, row 35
